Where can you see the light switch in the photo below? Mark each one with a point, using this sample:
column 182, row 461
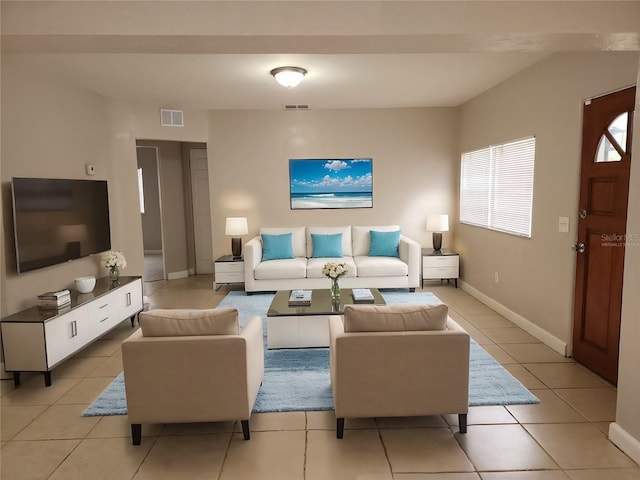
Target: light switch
column 563, row 224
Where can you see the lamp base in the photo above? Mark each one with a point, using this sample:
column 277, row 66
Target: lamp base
column 236, row 247
column 437, row 241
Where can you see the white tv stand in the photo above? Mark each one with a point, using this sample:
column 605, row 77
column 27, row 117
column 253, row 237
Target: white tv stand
column 37, row 340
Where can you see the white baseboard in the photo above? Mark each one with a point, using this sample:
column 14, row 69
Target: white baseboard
column 153, row 252
column 192, row 271
column 176, row 275
column 531, row 328
column 624, row 441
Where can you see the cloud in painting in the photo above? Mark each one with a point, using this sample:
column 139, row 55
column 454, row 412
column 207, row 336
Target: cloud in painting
column 336, row 165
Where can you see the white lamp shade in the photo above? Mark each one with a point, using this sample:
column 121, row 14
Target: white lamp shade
column 236, row 226
column 288, row 76
column 438, row 223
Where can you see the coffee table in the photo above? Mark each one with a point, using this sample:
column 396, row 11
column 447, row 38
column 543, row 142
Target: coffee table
column 306, row 326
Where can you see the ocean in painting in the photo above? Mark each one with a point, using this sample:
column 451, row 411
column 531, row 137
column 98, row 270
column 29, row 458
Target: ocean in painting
column 332, row 200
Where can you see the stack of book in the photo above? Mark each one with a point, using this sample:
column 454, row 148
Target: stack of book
column 362, row 295
column 300, row 298
column 54, row 300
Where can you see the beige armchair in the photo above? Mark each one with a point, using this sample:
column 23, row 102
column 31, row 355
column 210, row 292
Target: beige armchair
column 186, row 366
column 392, row 361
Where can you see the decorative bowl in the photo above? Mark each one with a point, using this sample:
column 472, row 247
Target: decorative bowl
column 85, row 284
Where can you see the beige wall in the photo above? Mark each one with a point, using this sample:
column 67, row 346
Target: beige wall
column 55, row 129
column 626, row 431
column 413, row 153
column 536, row 276
column 53, row 132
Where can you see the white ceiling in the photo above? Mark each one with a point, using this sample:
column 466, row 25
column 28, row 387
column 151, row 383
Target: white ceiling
column 362, row 54
column 242, row 81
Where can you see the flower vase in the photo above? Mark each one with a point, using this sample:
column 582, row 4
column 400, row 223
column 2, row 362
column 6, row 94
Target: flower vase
column 335, row 289
column 114, row 274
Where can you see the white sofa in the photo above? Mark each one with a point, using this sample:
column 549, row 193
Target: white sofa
column 305, row 271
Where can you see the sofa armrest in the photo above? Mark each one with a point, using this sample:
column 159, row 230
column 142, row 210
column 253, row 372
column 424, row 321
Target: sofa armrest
column 252, row 333
column 410, row 253
column 336, row 328
column 252, row 257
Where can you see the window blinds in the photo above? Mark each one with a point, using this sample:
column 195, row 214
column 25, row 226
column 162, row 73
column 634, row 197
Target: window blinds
column 496, row 187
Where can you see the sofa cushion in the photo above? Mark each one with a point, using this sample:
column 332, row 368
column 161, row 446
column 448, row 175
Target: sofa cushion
column 384, row 244
column 276, row 247
column 326, row 246
column 381, row 267
column 361, row 237
column 394, row 318
column 314, row 267
column 298, row 238
column 180, row 323
column 347, row 251
column 281, row 269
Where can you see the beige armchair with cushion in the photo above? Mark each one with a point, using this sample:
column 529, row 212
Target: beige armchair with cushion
column 396, row 361
column 186, row 366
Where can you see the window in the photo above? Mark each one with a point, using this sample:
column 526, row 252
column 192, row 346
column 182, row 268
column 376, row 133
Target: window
column 496, row 187
column 613, row 143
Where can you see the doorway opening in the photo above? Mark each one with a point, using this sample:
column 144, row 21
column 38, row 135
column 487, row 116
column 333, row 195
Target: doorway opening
column 150, row 212
column 175, row 209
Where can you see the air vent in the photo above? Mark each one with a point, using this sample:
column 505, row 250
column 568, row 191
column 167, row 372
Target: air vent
column 301, row 106
column 171, row 118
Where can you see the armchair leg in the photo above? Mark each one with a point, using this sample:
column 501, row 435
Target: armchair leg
column 136, row 433
column 462, row 421
column 245, row 429
column 339, row 427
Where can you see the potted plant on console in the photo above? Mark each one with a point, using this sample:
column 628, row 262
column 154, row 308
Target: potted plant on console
column 114, row 261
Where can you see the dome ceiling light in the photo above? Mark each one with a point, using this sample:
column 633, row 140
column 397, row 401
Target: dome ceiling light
column 288, row 76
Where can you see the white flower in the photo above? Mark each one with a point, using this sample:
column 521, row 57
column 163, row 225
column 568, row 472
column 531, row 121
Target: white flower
column 113, row 259
column 335, row 270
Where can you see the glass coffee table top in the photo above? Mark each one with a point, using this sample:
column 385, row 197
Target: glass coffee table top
column 321, row 303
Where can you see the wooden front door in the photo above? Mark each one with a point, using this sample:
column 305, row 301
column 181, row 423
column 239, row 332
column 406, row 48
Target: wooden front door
column 604, row 192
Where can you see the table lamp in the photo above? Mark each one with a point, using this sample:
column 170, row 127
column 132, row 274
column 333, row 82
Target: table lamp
column 437, row 224
column 235, row 227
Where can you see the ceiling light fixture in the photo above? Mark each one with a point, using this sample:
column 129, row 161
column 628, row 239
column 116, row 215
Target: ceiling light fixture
column 288, row 76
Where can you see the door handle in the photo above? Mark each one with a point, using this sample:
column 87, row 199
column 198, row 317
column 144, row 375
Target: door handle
column 579, row 247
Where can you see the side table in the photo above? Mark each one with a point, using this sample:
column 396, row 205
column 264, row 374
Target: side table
column 228, row 270
column 440, row 266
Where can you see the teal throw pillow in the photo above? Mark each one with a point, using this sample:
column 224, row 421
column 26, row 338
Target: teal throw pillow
column 277, row 247
column 326, row 246
column 384, row 244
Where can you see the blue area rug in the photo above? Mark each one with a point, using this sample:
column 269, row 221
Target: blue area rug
column 298, row 379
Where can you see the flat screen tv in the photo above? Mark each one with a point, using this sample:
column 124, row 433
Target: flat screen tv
column 57, row 220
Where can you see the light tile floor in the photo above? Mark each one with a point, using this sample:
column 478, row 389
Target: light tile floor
column 564, row 437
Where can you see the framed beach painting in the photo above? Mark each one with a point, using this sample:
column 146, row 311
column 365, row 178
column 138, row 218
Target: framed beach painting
column 331, row 183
